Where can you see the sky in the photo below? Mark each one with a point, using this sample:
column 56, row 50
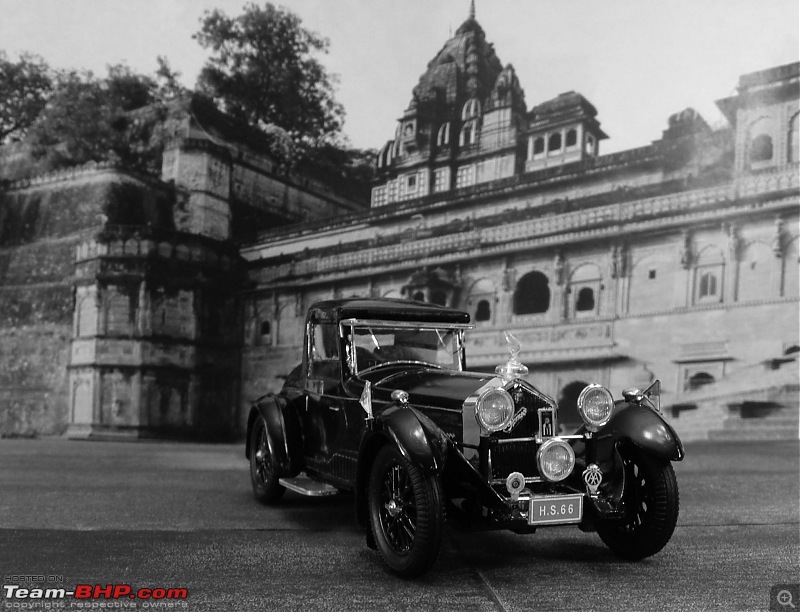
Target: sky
column 637, row 61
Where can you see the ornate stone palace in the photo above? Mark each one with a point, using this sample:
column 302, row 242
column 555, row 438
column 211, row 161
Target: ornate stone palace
column 136, row 306
column 676, row 260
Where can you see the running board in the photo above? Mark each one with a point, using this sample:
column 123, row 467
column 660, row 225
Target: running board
column 304, row 485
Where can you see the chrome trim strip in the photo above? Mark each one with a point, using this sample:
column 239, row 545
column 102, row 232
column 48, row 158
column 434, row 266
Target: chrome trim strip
column 528, row 480
column 412, row 324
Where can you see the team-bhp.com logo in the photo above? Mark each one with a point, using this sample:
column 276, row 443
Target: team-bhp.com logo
column 96, row 591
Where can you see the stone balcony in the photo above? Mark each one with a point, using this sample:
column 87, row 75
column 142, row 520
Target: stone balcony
column 554, row 229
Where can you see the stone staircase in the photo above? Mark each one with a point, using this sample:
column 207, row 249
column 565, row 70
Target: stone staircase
column 758, row 405
column 782, row 423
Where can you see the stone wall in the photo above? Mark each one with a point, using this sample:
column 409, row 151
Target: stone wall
column 42, row 221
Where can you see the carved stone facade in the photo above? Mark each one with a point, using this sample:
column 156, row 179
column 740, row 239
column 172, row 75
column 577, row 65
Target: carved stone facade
column 120, row 295
column 677, row 260
column 186, row 296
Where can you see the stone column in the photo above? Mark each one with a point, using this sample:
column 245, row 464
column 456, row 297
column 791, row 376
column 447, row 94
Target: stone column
column 778, row 269
column 731, row 273
column 682, row 293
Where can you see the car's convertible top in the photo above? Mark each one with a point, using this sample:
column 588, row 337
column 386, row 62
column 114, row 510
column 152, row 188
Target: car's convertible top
column 385, row 309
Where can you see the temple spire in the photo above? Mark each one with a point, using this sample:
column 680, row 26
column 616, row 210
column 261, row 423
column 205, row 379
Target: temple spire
column 472, row 9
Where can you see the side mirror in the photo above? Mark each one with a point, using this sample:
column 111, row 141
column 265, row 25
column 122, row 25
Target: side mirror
column 653, row 395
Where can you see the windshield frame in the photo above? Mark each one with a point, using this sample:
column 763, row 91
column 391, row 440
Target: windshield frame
column 348, row 326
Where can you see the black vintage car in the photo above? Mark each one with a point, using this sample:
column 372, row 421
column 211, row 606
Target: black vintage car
column 382, row 406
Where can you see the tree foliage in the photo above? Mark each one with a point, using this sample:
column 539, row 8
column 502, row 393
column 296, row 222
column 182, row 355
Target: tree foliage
column 25, row 86
column 96, row 119
column 263, row 70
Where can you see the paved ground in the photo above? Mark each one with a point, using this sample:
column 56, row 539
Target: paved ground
column 181, row 515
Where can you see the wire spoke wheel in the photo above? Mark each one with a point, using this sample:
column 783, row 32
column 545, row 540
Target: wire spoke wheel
column 406, row 512
column 263, row 470
column 398, row 512
column 651, row 506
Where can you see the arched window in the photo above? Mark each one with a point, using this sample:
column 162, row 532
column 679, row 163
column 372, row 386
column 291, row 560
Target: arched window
column 480, row 298
column 572, row 138
column 484, row 311
column 707, row 286
column 472, row 109
column 584, row 288
column 761, row 148
column 443, row 137
column 709, row 274
column 419, row 296
column 589, row 147
column 468, row 133
column 265, row 328
column 538, row 146
column 532, row 294
column 554, row 142
column 585, row 300
column 699, row 380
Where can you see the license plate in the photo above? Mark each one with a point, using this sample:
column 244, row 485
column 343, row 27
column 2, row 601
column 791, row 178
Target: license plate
column 555, row 509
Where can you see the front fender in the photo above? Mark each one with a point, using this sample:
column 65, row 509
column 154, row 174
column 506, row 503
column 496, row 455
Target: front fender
column 419, row 439
column 644, row 429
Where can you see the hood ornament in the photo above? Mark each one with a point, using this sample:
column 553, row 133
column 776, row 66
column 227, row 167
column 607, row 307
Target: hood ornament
column 512, row 368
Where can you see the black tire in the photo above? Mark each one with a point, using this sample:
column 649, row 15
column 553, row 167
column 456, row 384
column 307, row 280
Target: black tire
column 406, row 513
column 652, row 504
column 263, row 474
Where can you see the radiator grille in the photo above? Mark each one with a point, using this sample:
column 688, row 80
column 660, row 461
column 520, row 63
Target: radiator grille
column 519, row 456
column 514, row 457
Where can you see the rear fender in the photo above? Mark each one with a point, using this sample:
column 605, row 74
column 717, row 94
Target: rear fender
column 283, row 430
column 642, row 428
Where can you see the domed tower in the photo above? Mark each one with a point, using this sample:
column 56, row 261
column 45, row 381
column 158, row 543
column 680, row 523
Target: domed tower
column 463, row 125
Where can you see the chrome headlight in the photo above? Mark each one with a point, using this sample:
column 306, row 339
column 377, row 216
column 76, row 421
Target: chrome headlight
column 494, row 410
column 555, row 459
column 595, row 406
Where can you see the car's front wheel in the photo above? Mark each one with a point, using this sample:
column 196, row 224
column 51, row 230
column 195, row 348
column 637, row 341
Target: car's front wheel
column 651, row 508
column 263, row 474
column 406, row 512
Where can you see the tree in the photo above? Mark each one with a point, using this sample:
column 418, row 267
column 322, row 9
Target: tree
column 25, row 86
column 168, row 81
column 92, row 119
column 262, row 70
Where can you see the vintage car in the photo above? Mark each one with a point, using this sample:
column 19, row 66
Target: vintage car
column 383, row 406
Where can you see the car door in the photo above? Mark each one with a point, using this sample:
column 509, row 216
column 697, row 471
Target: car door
column 331, row 442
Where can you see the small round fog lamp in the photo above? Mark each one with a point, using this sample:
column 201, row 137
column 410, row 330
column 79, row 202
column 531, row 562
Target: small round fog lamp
column 555, row 459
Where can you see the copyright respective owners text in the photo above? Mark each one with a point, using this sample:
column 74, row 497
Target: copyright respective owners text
column 53, row 592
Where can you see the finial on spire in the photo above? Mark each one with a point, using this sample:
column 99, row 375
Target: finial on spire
column 472, row 9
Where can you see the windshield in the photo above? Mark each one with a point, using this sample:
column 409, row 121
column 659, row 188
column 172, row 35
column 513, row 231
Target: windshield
column 371, row 346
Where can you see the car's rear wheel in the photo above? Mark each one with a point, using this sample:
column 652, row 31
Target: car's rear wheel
column 406, row 512
column 263, row 474
column 651, row 508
